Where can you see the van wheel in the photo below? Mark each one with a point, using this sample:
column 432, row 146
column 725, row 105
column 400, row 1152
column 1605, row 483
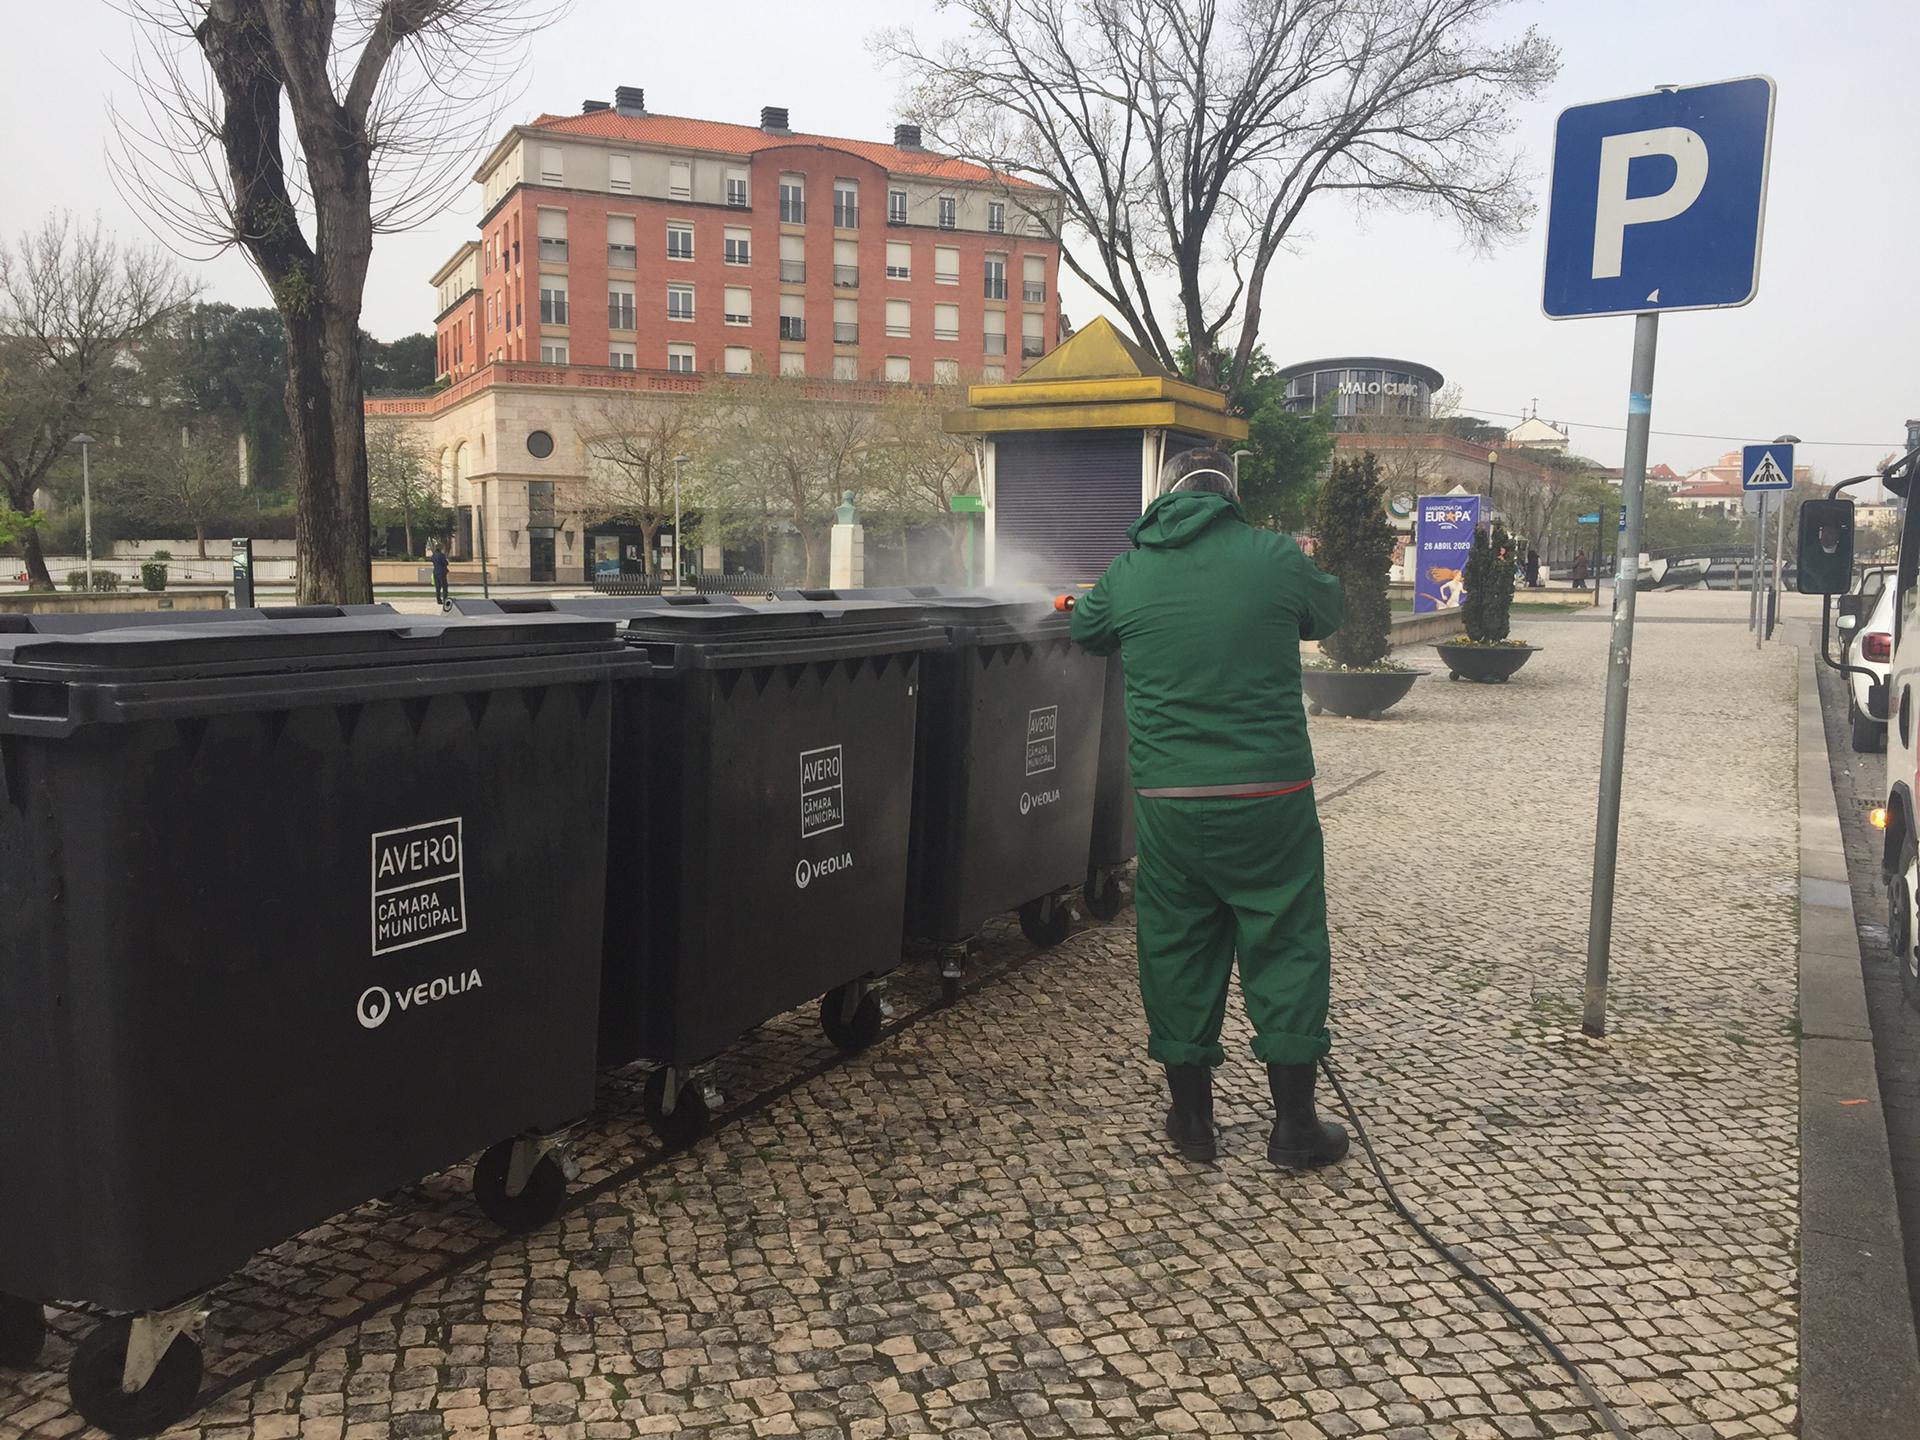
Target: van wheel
column 1900, row 935
column 93, row 1382
column 23, row 1330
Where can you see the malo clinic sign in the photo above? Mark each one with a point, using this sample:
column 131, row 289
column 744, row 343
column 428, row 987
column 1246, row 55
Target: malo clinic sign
column 1443, row 538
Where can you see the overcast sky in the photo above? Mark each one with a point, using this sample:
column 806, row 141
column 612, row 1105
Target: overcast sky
column 1828, row 350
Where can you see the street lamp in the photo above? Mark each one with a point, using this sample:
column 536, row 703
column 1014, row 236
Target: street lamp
column 678, row 461
column 85, row 442
column 1492, row 455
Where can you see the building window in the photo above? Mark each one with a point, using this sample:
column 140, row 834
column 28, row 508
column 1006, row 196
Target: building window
column 739, row 360
column 1031, row 343
column 620, row 305
column 846, row 205
column 679, row 302
column 680, row 359
column 793, row 200
column 846, row 264
column 553, row 237
column 737, row 305
column 737, row 189
column 846, row 367
column 896, row 207
column 739, row 246
column 552, row 169
column 946, row 372
column 996, row 277
column 620, row 174
column 679, row 241
column 621, row 254
column 946, row 322
column 997, row 216
column 949, row 212
column 994, row 374
column 540, row 446
column 1033, row 279
column 899, row 260
column 793, row 262
column 553, row 299
column 996, row 332
column 553, row 352
column 846, row 322
column 793, row 324
column 679, row 180
column 946, row 265
column 793, row 362
column 899, row 318
column 899, row 369
column 620, row 357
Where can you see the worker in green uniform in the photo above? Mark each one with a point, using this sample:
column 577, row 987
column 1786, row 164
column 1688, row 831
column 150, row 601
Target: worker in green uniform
column 1208, row 614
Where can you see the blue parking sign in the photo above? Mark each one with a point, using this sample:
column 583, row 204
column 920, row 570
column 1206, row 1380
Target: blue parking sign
column 1657, row 200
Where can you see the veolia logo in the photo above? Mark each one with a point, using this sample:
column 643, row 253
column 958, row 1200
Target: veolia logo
column 807, row 871
column 376, row 1003
column 373, row 1007
column 1033, row 800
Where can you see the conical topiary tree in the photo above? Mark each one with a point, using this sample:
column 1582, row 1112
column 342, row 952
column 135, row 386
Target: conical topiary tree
column 1353, row 540
column 1486, row 608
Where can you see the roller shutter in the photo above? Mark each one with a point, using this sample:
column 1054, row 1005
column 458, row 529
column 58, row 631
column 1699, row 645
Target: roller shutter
column 1062, row 503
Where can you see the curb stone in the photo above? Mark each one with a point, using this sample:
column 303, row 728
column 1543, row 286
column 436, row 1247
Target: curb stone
column 1859, row 1364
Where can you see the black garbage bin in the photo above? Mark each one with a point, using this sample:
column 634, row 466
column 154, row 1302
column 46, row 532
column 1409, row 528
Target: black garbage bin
column 1113, row 842
column 298, row 911
column 757, row 841
column 1006, row 764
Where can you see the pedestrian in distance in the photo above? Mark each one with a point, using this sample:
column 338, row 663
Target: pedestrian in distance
column 440, row 591
column 1208, row 614
column 1533, row 569
column 1580, row 571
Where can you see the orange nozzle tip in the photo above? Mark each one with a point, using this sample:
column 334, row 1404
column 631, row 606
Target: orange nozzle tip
column 1063, row 602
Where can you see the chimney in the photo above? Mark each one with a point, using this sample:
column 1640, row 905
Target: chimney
column 590, row 107
column 774, row 118
column 906, row 137
column 629, row 100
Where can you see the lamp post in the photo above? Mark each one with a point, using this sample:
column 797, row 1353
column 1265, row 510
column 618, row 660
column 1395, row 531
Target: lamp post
column 85, row 442
column 1492, row 455
column 678, row 461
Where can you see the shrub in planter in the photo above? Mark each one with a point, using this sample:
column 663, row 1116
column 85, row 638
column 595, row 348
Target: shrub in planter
column 102, row 580
column 153, row 573
column 1354, row 541
column 1487, row 652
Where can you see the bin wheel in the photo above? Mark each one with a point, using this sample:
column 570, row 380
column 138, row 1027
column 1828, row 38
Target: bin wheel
column 949, row 989
column 1045, row 921
column 1103, row 895
column 855, row 1034
column 1316, row 709
column 534, row 1206
column 689, row 1118
column 93, row 1380
column 1453, row 674
column 23, row 1330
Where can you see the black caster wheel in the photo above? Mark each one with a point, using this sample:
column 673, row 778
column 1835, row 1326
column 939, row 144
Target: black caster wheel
column 689, row 1118
column 1045, row 921
column 23, row 1330
column 536, row 1204
column 1103, row 895
column 93, row 1380
column 863, row 1028
column 1316, row 709
column 1453, row 674
column 949, row 989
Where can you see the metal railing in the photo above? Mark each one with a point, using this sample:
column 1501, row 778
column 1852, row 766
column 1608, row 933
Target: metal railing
column 846, row 277
column 846, row 217
column 793, row 327
column 622, row 257
column 792, row 211
column 996, row 289
column 553, row 311
column 621, row 317
column 553, row 249
column 793, row 272
column 996, row 344
column 845, row 334
column 1033, row 292
column 635, row 583
column 1031, row 348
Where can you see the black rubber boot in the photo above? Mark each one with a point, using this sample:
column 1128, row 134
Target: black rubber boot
column 1301, row 1140
column 1190, row 1120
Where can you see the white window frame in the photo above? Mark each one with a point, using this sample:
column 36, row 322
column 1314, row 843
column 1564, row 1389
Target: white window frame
column 996, row 217
column 553, row 165
column 731, row 316
column 681, row 359
column 793, row 362
column 617, row 183
column 553, row 352
column 948, row 210
column 737, row 178
column 679, row 192
column 897, row 329
column 900, row 272
column 896, row 207
column 727, row 358
column 622, row 355
column 946, row 372
column 729, row 255
column 679, row 227
column 846, row 367
column 946, row 332
column 630, row 312
column 904, row 362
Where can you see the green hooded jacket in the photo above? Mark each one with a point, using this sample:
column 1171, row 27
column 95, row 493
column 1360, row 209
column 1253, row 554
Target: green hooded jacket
column 1208, row 614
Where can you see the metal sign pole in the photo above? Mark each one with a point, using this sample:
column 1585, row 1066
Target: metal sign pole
column 1759, row 572
column 1613, row 743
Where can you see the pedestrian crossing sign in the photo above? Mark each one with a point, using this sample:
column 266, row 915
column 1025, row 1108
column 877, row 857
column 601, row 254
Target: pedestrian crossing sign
column 1766, row 467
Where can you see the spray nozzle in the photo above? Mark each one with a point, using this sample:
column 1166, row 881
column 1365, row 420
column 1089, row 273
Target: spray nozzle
column 1063, row 603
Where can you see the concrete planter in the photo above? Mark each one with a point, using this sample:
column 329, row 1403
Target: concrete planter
column 1358, row 694
column 1483, row 664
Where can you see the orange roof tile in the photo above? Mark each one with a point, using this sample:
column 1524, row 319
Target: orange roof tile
column 678, row 132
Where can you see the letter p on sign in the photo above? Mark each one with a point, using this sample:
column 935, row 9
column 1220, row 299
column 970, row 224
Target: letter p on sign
column 1615, row 210
column 1657, row 200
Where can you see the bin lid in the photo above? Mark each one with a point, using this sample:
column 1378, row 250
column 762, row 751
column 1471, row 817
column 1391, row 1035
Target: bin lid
column 719, row 620
column 971, row 615
column 76, row 647
column 27, row 623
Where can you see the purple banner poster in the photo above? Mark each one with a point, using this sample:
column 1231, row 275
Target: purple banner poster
column 1443, row 535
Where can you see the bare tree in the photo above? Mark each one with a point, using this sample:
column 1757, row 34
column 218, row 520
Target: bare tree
column 74, row 307
column 403, row 484
column 1185, row 137
column 630, row 470
column 167, row 469
column 390, row 100
column 911, row 468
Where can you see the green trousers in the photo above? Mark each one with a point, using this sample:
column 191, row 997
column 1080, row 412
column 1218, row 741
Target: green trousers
column 1225, row 876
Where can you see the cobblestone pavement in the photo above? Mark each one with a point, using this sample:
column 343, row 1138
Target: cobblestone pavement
column 975, row 1229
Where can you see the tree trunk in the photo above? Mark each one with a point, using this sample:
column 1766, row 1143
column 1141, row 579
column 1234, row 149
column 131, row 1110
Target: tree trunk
column 38, row 577
column 329, row 451
column 648, row 530
column 200, row 537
